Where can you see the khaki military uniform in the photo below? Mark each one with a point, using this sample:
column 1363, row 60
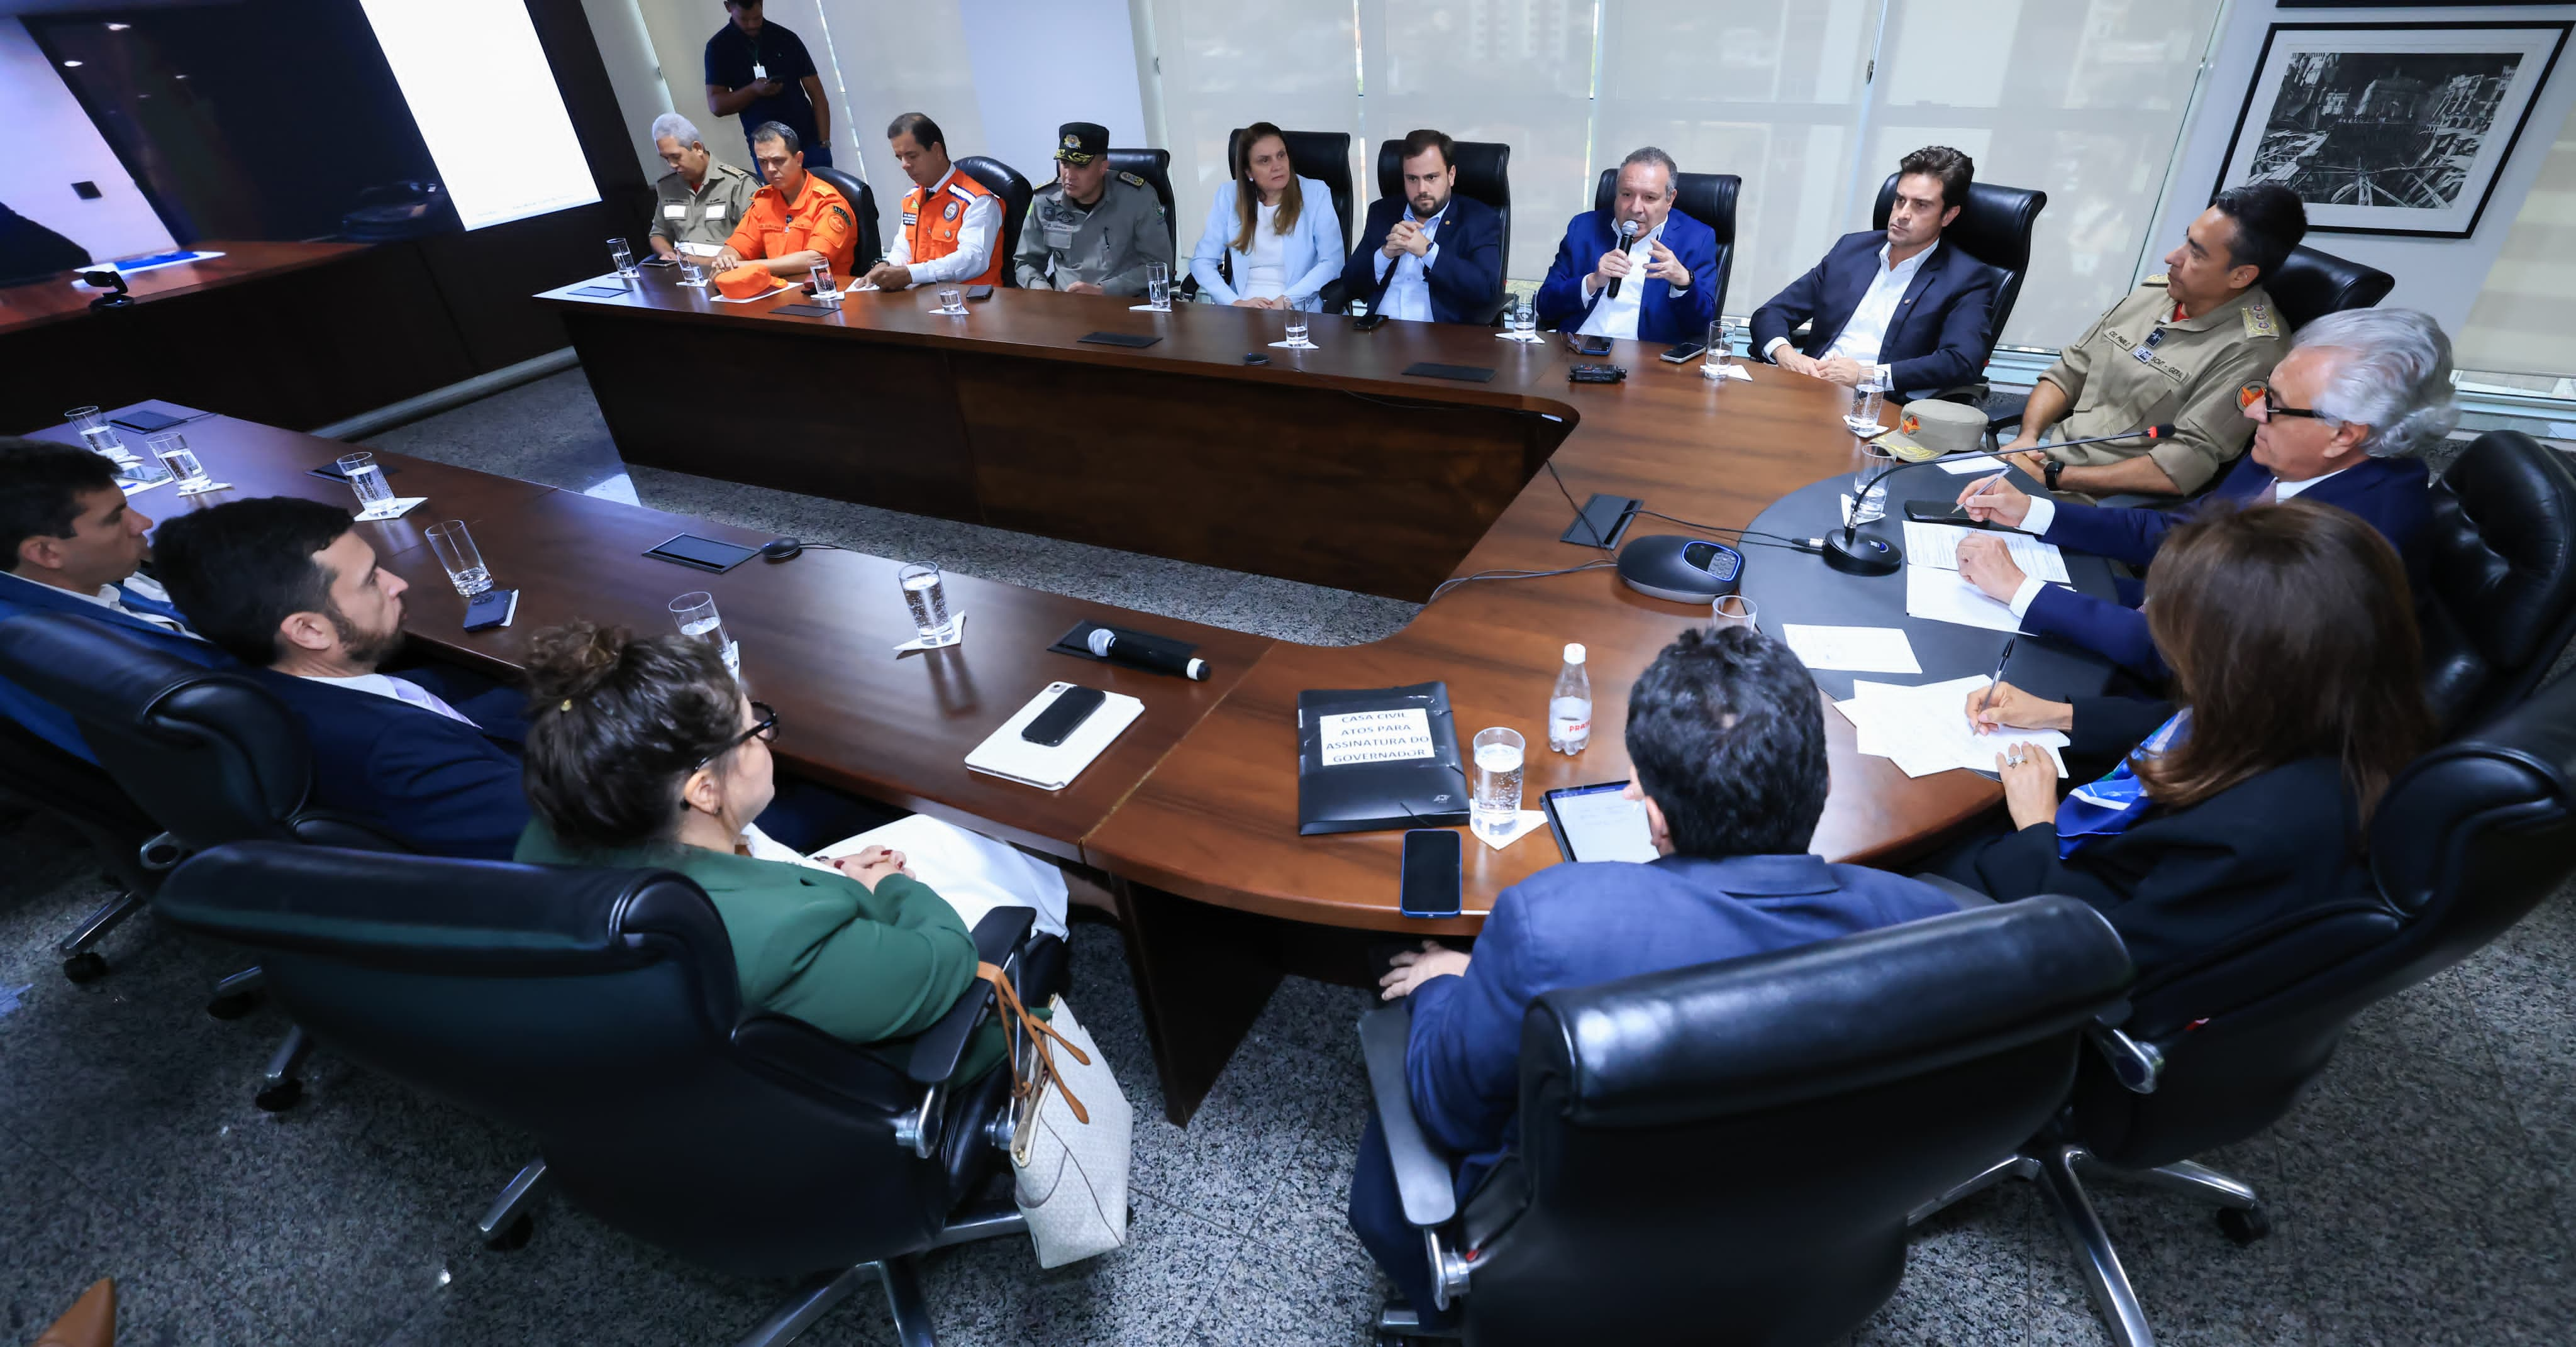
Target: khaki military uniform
column 2140, row 367
column 1107, row 245
column 707, row 216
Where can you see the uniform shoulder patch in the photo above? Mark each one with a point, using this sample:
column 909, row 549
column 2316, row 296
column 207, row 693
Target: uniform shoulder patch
column 1131, row 179
column 961, row 193
column 2157, row 279
column 845, row 215
column 2259, row 321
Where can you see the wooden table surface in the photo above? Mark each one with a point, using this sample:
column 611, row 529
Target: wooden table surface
column 56, row 298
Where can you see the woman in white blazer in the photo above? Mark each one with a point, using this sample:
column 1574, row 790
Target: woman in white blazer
column 1277, row 231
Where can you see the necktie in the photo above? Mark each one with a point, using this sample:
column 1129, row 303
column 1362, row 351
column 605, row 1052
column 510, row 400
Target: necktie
column 2270, row 494
column 414, row 694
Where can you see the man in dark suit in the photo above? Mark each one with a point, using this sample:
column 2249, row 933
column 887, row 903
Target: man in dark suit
column 1729, row 746
column 1895, row 307
column 74, row 546
column 1430, row 256
column 1665, row 273
column 2347, row 414
column 292, row 589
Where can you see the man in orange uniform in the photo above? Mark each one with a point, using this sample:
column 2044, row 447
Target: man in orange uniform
column 795, row 221
column 952, row 224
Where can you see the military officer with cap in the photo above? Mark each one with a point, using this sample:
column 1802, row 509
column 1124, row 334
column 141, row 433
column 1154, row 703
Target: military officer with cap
column 2180, row 350
column 1091, row 231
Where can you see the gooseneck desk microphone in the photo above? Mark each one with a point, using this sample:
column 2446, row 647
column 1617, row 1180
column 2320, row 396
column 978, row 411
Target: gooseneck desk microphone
column 1852, row 554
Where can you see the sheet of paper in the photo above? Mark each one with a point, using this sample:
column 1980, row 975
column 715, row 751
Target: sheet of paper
column 1866, row 649
column 1926, row 729
column 1945, row 596
column 1522, row 824
column 1294, row 346
column 1961, row 467
column 1394, row 735
column 395, row 508
column 1938, row 545
column 1736, row 372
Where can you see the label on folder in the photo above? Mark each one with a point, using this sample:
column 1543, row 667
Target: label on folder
column 1375, row 736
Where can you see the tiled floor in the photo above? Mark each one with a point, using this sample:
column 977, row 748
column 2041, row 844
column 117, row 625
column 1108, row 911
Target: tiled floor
column 2425, row 1191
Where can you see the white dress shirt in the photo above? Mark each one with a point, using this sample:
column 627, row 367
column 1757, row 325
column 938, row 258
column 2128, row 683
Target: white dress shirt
column 1265, row 263
column 400, row 689
column 1616, row 315
column 2043, row 512
column 975, row 235
column 1409, row 294
column 113, row 599
column 1867, row 330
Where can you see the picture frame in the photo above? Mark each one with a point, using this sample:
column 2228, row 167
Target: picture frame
column 2391, row 128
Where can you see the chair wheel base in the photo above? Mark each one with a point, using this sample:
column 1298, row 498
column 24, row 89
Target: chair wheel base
column 2244, row 1227
column 512, row 1237
column 235, row 1006
column 280, row 1097
column 85, row 966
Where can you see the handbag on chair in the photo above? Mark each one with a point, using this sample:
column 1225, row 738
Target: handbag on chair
column 1072, row 1132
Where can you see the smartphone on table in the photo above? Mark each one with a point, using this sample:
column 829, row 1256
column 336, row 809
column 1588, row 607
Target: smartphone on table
column 1433, row 877
column 1063, row 716
column 1685, row 353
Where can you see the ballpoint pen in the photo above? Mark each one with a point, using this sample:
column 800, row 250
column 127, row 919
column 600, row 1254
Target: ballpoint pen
column 1998, row 679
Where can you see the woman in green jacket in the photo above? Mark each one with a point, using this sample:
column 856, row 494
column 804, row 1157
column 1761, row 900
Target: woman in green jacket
column 643, row 752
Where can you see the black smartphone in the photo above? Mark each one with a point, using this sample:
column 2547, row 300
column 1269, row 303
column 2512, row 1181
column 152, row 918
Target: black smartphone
column 1064, row 715
column 658, row 261
column 976, row 292
column 491, row 608
column 1685, row 353
column 1370, row 324
column 1584, row 345
column 1432, row 878
column 1935, row 512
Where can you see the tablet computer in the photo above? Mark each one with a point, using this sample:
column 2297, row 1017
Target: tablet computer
column 1598, row 823
column 706, row 554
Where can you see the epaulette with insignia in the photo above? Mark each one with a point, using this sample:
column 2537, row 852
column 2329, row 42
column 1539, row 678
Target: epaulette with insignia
column 2259, row 321
column 2157, row 279
column 1132, row 179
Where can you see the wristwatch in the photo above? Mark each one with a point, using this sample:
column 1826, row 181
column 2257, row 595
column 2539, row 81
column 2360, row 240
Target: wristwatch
column 2055, row 466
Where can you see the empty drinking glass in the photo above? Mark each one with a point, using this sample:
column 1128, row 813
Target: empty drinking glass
column 928, row 600
column 455, row 550
column 693, row 272
column 824, row 293
column 1297, row 328
column 1158, row 287
column 695, row 614
column 1865, row 403
column 1869, row 482
column 97, row 433
column 952, row 300
column 366, row 479
column 1496, row 783
column 625, row 260
column 173, row 451
column 1734, row 610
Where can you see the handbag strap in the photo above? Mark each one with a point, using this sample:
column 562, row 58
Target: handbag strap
column 1039, row 1032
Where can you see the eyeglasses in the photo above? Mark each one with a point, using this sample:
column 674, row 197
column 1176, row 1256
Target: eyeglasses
column 764, row 727
column 2250, row 394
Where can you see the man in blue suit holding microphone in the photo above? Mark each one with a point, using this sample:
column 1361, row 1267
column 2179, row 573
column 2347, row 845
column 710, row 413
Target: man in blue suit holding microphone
column 1640, row 270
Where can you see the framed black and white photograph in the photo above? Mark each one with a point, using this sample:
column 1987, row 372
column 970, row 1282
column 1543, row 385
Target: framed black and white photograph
column 2390, row 128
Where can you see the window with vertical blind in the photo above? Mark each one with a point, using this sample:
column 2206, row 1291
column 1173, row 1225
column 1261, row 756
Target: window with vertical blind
column 2519, row 328
column 1230, row 63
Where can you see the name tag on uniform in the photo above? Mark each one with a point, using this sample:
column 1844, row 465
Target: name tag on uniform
column 759, row 71
column 1059, row 238
column 675, row 212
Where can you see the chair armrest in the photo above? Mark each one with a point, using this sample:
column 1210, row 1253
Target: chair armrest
column 1424, row 1173
column 999, row 938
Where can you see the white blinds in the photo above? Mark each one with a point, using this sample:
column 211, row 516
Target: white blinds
column 1230, row 63
column 2520, row 323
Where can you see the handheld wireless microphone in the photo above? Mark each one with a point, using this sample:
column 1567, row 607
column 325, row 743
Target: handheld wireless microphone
column 1105, row 644
column 1627, row 235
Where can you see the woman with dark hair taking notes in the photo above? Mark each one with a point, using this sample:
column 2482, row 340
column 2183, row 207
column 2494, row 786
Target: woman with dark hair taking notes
column 644, row 752
column 2297, row 670
column 1274, row 231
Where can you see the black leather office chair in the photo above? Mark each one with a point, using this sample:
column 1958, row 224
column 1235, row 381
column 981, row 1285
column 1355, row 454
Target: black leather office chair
column 1994, row 227
column 1484, row 174
column 871, row 241
column 1326, row 157
column 36, row 775
column 1705, row 1155
column 2469, row 838
column 598, row 1010
column 1706, row 197
column 2503, row 600
column 2312, row 284
column 206, row 754
column 1005, row 182
column 1155, row 167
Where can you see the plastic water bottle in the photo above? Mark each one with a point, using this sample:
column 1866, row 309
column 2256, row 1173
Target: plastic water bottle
column 1569, row 707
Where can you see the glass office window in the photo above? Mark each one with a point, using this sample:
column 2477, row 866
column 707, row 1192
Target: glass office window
column 2519, row 328
column 1229, row 63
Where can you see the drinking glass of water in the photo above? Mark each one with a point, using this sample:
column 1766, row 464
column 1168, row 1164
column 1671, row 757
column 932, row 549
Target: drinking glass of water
column 97, row 433
column 928, row 600
column 695, row 614
column 693, row 272
column 1297, row 328
column 824, row 293
column 625, row 260
column 455, row 550
column 1158, row 287
column 1869, row 482
column 1865, row 403
column 952, row 300
column 366, row 479
column 1734, row 610
column 1496, row 781
column 173, row 451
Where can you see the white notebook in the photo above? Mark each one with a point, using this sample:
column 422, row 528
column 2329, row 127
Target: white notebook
column 1005, row 754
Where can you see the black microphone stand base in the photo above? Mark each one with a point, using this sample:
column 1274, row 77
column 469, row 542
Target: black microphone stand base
column 1860, row 554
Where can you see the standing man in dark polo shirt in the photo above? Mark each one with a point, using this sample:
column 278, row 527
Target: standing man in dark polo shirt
column 759, row 72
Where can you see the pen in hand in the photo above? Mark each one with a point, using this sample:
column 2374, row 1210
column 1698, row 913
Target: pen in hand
column 1978, row 492
column 1995, row 682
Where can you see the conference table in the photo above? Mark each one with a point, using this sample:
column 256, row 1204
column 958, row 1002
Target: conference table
column 1350, row 472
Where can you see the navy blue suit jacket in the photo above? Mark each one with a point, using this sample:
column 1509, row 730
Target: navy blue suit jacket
column 1941, row 329
column 2388, row 493
column 1466, row 280
column 50, row 723
column 1661, row 314
column 446, row 788
column 1576, row 924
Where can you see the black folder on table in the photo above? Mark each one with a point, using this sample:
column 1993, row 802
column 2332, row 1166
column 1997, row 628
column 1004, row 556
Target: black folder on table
column 1376, row 758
